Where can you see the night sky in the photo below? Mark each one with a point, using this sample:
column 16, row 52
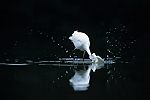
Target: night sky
column 28, row 25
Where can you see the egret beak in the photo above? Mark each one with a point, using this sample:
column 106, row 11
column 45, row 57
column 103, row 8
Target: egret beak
column 70, row 38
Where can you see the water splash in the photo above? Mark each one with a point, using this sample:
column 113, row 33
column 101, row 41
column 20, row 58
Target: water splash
column 120, row 43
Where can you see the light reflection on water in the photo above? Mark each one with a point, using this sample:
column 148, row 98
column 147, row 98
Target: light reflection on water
column 82, row 69
column 112, row 80
column 81, row 79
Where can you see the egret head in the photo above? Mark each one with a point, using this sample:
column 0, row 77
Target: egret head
column 73, row 35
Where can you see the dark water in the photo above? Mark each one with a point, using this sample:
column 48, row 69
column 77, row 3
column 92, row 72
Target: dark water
column 117, row 81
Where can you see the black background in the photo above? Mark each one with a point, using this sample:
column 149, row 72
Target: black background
column 20, row 20
column 61, row 17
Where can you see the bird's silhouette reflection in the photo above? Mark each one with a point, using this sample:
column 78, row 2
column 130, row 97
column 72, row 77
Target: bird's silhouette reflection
column 81, row 79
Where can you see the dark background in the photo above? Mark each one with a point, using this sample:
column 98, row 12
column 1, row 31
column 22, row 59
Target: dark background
column 22, row 21
column 26, row 27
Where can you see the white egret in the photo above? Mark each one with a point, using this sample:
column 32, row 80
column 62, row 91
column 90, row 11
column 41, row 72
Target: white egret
column 81, row 41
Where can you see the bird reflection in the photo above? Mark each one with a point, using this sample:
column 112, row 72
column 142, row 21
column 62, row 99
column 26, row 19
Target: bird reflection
column 80, row 80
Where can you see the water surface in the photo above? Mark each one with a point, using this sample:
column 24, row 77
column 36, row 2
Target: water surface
column 51, row 80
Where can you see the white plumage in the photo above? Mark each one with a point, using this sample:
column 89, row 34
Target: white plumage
column 81, row 41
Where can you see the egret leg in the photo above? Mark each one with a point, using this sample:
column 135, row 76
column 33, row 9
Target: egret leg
column 83, row 55
column 83, row 61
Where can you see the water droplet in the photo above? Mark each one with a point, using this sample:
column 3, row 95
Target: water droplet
column 107, row 81
column 16, row 60
column 123, row 26
column 66, row 51
column 108, row 72
column 108, row 50
column 66, row 72
column 132, row 42
column 53, row 81
column 75, row 56
column 41, row 33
